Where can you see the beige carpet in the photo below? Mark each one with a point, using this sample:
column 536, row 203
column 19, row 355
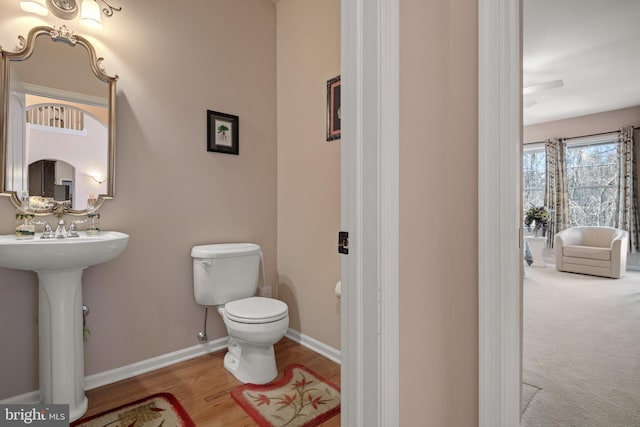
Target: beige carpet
column 581, row 349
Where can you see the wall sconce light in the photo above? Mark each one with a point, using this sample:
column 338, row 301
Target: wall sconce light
column 99, row 178
column 35, row 6
column 90, row 12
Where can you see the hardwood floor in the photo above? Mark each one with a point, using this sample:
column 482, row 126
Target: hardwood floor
column 203, row 386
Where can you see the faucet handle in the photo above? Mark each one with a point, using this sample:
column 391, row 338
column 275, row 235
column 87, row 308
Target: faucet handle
column 47, row 232
column 72, row 232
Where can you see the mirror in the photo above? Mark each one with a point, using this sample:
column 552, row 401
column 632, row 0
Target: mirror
column 57, row 123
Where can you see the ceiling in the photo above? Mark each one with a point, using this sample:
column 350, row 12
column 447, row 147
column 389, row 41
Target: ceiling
column 591, row 45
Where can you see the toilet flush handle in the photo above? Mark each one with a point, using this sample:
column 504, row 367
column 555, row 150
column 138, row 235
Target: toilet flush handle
column 203, row 261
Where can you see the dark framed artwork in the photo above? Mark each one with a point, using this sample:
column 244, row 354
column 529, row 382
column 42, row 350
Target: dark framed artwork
column 222, row 133
column 333, row 109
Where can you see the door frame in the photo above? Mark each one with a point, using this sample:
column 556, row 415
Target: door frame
column 369, row 212
column 370, row 52
column 499, row 219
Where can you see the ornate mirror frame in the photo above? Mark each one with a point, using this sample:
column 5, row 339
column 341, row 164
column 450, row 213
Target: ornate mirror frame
column 25, row 49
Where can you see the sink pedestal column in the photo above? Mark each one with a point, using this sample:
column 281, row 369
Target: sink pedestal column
column 60, row 340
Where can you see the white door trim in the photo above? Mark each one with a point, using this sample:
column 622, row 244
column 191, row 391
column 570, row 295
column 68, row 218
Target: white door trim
column 500, row 264
column 369, row 212
column 389, row 188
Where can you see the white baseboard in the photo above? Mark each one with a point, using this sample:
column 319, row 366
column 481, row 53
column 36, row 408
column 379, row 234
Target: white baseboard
column 32, row 397
column 313, row 344
column 132, row 370
column 162, row 361
column 148, row 365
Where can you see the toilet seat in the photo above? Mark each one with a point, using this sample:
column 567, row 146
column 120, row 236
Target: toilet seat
column 256, row 310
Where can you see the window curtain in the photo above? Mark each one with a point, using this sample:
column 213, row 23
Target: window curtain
column 627, row 215
column 556, row 196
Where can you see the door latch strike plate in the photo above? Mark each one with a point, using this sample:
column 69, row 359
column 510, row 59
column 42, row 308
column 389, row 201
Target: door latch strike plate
column 343, row 242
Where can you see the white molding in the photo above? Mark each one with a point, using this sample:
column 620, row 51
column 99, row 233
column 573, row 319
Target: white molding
column 352, row 371
column 499, row 158
column 389, row 211
column 168, row 359
column 158, row 362
column 47, row 128
column 32, row 397
column 369, row 212
column 138, row 368
column 314, row 345
column 66, row 95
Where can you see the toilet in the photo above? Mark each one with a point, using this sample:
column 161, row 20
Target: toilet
column 226, row 276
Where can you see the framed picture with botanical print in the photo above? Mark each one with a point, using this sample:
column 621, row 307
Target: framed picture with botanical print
column 333, row 109
column 222, row 133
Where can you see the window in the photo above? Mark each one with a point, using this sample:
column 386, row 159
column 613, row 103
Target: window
column 533, row 176
column 592, row 175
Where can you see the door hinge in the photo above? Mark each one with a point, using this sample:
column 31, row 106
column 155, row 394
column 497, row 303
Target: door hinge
column 343, row 242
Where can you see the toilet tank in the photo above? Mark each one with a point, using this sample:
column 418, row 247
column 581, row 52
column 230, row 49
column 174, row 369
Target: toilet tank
column 225, row 272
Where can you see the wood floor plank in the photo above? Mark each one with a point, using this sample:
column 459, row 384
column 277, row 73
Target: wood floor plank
column 203, row 386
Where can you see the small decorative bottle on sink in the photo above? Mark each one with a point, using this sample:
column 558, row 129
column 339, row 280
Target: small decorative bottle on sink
column 93, row 217
column 94, row 220
column 25, row 228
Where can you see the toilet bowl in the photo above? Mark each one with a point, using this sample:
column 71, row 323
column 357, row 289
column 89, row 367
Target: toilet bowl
column 252, row 333
column 226, row 276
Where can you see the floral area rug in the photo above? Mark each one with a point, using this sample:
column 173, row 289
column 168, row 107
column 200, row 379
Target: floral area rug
column 301, row 398
column 161, row 409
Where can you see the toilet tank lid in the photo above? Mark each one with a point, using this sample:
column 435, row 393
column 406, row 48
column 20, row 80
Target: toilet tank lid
column 223, row 250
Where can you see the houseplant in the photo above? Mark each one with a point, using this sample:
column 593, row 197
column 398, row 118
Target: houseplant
column 538, row 216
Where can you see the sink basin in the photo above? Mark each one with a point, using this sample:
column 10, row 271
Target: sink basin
column 59, row 264
column 60, row 254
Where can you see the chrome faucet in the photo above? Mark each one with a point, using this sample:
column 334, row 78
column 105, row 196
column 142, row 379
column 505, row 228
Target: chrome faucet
column 61, row 231
column 59, row 210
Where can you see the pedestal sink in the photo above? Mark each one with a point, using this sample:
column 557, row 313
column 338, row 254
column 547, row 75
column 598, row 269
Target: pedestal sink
column 59, row 264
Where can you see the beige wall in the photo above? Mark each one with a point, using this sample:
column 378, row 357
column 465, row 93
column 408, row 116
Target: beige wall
column 438, row 213
column 171, row 193
column 308, row 167
column 583, row 125
column 142, row 303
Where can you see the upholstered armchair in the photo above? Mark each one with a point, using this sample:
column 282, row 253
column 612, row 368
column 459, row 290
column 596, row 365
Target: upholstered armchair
column 598, row 251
